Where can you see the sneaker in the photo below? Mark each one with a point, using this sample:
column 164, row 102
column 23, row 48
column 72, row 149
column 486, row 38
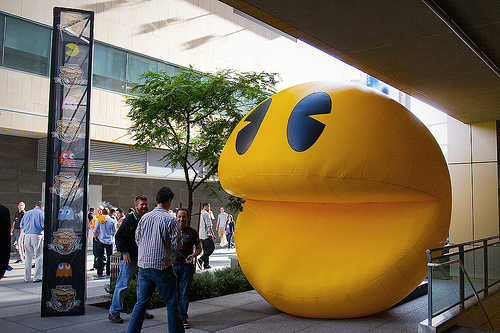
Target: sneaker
column 200, row 263
column 116, row 320
column 185, row 323
column 148, row 315
column 18, row 261
column 208, row 267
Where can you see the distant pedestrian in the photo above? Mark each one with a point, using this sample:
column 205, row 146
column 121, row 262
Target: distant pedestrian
column 120, row 216
column 157, row 235
column 125, row 244
column 32, row 224
column 104, row 232
column 220, row 227
column 15, row 231
column 91, row 214
column 206, row 236
column 4, row 239
column 230, row 232
column 184, row 261
column 92, row 224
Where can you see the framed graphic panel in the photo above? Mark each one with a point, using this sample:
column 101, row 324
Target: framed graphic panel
column 65, row 233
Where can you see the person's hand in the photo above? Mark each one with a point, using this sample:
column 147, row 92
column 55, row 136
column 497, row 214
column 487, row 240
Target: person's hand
column 126, row 258
column 189, row 259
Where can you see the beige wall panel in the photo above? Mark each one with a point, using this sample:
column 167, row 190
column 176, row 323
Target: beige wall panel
column 40, row 11
column 485, row 199
column 461, row 229
column 14, row 7
column 5, row 119
column 3, row 84
column 40, row 91
column 459, row 148
column 28, row 9
column 484, row 142
column 14, row 85
column 19, row 105
column 40, row 125
column 6, row 103
column 27, row 88
column 92, row 132
column 22, row 121
column 41, row 109
column 29, row 106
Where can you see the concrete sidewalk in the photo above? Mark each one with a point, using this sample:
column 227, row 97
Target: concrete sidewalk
column 243, row 312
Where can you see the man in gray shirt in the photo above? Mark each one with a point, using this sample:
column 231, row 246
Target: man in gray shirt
column 221, row 224
column 206, row 236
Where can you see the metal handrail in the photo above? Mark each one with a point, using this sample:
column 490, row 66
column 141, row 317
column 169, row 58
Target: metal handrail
column 460, row 251
column 470, row 282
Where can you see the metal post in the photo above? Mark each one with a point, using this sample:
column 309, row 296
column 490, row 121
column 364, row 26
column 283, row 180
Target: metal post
column 429, row 289
column 485, row 267
column 461, row 278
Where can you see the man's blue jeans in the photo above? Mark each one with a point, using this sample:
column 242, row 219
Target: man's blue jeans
column 147, row 280
column 184, row 277
column 127, row 272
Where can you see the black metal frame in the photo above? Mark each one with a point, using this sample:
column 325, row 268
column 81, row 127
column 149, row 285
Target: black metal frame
column 438, row 254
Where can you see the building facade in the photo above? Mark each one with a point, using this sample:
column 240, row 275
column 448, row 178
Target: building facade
column 130, row 38
column 134, row 35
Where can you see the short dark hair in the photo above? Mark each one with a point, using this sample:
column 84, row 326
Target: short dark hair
column 184, row 209
column 164, row 195
column 119, row 210
column 204, row 204
column 105, row 211
column 91, row 209
column 39, row 204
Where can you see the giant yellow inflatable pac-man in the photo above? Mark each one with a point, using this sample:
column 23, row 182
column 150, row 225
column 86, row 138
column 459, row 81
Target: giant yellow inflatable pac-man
column 345, row 190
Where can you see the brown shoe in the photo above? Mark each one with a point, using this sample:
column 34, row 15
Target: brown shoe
column 116, row 320
column 148, row 315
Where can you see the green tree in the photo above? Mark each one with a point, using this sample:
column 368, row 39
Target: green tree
column 191, row 115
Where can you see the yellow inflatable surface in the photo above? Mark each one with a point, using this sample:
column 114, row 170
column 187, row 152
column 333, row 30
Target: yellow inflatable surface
column 344, row 191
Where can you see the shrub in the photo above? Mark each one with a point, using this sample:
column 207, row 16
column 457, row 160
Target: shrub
column 205, row 285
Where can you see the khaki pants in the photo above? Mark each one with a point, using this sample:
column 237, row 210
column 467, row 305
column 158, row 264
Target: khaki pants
column 33, row 245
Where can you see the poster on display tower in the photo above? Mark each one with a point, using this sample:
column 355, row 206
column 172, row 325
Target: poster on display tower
column 65, row 232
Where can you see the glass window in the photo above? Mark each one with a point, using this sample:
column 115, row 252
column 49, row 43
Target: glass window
column 109, row 68
column 27, row 46
column 168, row 68
column 137, row 66
column 2, row 24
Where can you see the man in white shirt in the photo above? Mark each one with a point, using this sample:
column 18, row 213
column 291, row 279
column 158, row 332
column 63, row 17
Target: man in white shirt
column 206, row 236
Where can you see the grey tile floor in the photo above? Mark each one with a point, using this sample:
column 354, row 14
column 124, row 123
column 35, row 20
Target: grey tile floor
column 243, row 312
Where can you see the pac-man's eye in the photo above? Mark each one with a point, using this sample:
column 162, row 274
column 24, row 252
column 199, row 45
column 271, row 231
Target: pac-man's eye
column 246, row 135
column 302, row 130
column 72, row 156
column 61, row 266
column 65, row 155
column 68, row 266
